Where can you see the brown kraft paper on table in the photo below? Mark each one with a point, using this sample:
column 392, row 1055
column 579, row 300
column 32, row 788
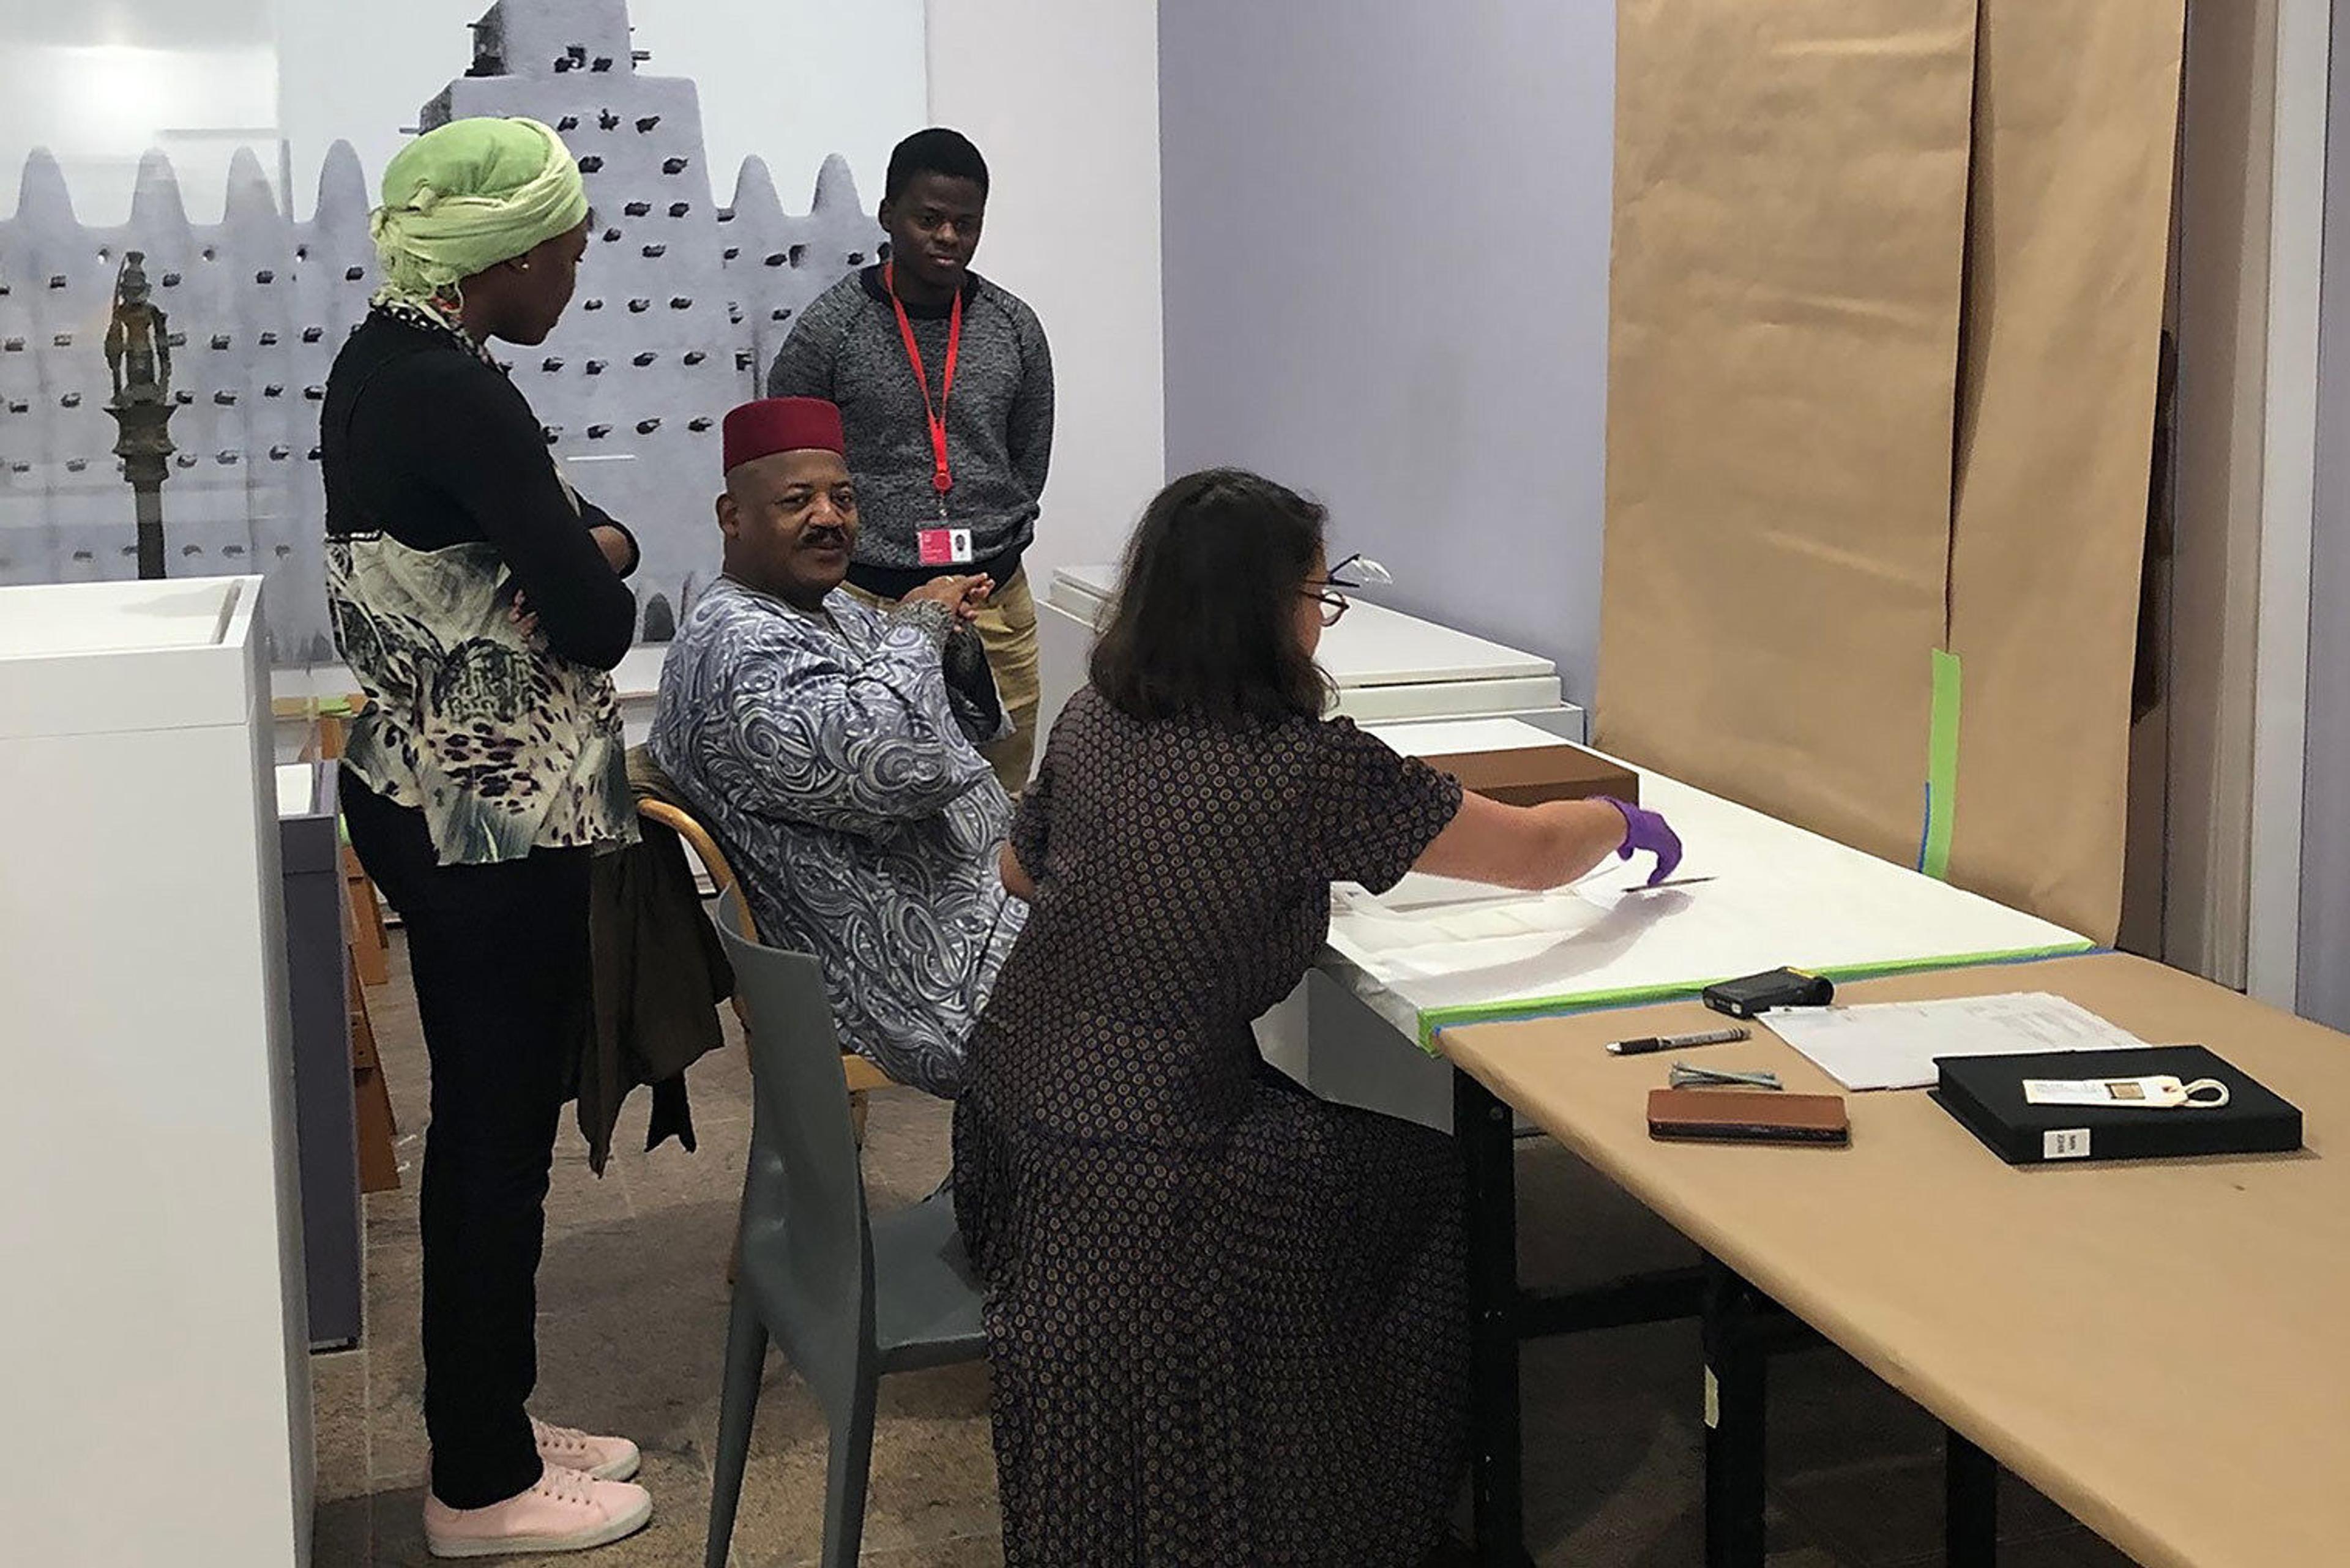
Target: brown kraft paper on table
column 2076, row 122
column 1791, row 186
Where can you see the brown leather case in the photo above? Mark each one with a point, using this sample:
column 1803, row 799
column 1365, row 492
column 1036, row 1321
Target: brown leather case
column 1539, row 774
column 1747, row 1115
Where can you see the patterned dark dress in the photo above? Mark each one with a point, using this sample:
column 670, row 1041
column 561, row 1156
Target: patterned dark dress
column 1226, row 1322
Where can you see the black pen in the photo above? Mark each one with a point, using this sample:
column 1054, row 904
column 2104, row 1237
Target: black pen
column 1650, row 1044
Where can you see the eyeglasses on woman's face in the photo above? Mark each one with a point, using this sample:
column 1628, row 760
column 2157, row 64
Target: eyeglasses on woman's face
column 1355, row 571
column 1334, row 605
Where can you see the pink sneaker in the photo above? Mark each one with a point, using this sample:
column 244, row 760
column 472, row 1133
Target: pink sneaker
column 565, row 1511
column 605, row 1458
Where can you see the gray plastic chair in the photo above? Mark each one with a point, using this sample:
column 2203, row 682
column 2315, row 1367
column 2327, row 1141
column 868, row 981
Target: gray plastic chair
column 850, row 1296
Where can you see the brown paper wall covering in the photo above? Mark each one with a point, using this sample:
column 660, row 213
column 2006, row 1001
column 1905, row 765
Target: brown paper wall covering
column 1814, row 483
column 1791, row 189
column 2067, row 258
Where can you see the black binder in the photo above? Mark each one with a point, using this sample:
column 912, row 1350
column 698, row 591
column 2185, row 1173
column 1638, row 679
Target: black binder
column 1986, row 1095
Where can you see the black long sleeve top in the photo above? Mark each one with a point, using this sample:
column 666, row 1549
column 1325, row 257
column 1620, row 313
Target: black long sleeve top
column 426, row 443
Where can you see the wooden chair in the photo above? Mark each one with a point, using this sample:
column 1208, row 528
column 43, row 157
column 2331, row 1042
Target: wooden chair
column 378, row 1129
column 370, row 943
column 370, row 946
column 862, row 1076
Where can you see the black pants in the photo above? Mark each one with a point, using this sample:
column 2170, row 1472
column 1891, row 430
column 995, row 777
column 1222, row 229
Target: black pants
column 499, row 957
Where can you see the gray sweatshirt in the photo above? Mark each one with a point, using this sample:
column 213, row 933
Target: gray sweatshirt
column 845, row 347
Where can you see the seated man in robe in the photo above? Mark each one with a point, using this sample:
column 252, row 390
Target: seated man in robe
column 832, row 749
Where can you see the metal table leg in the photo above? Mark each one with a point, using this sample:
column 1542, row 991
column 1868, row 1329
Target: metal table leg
column 1736, row 1358
column 1969, row 1503
column 1742, row 1330
column 1489, row 1154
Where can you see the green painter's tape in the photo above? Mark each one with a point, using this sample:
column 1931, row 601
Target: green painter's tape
column 1941, row 768
column 1441, row 1018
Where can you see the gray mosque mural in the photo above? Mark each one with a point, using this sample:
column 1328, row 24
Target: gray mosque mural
column 681, row 304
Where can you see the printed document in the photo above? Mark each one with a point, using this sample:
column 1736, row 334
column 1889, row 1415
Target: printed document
column 1895, row 1045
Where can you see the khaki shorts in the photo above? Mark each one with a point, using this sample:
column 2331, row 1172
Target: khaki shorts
column 1007, row 628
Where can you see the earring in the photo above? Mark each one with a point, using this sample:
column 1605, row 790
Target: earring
column 524, row 266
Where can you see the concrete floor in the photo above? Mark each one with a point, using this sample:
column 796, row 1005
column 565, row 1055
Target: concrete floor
column 632, row 1324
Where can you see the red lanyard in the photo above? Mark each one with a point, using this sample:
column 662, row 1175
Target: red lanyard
column 941, row 476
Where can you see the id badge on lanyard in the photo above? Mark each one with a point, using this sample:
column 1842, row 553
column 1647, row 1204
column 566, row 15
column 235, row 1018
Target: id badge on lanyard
column 943, row 544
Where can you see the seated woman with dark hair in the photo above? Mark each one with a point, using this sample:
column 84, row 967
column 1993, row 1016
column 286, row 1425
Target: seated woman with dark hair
column 1227, row 1322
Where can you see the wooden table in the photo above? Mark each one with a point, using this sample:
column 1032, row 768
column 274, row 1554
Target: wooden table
column 2159, row 1346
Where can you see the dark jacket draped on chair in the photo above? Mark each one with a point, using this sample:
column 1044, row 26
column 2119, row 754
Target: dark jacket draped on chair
column 661, row 977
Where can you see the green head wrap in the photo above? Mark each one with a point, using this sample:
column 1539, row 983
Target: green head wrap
column 462, row 198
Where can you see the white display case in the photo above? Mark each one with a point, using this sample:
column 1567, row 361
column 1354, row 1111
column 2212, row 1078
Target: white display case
column 153, row 1342
column 1387, row 666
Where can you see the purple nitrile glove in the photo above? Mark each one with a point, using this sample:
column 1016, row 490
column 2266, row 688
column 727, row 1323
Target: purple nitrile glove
column 1649, row 831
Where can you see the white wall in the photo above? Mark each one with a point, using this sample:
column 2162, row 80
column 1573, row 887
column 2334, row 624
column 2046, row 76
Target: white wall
column 98, row 85
column 2302, row 875
column 2297, row 224
column 1062, row 95
column 1387, row 284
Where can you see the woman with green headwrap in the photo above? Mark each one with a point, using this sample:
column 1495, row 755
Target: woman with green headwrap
column 479, row 602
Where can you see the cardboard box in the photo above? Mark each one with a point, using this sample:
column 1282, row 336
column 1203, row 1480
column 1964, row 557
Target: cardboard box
column 1538, row 773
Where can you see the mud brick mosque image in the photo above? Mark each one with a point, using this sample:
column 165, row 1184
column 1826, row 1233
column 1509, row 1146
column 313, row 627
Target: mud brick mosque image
column 682, row 303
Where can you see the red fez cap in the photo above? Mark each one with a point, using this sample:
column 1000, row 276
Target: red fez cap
column 782, row 424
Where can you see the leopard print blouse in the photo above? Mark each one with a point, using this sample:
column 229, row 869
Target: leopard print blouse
column 505, row 746
column 502, row 745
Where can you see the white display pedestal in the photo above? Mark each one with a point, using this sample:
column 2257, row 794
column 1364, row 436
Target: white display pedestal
column 154, row 1379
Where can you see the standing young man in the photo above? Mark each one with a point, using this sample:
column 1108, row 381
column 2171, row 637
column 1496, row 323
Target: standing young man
column 945, row 386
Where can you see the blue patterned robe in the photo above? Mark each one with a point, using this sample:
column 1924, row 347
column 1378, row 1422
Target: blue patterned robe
column 829, row 756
